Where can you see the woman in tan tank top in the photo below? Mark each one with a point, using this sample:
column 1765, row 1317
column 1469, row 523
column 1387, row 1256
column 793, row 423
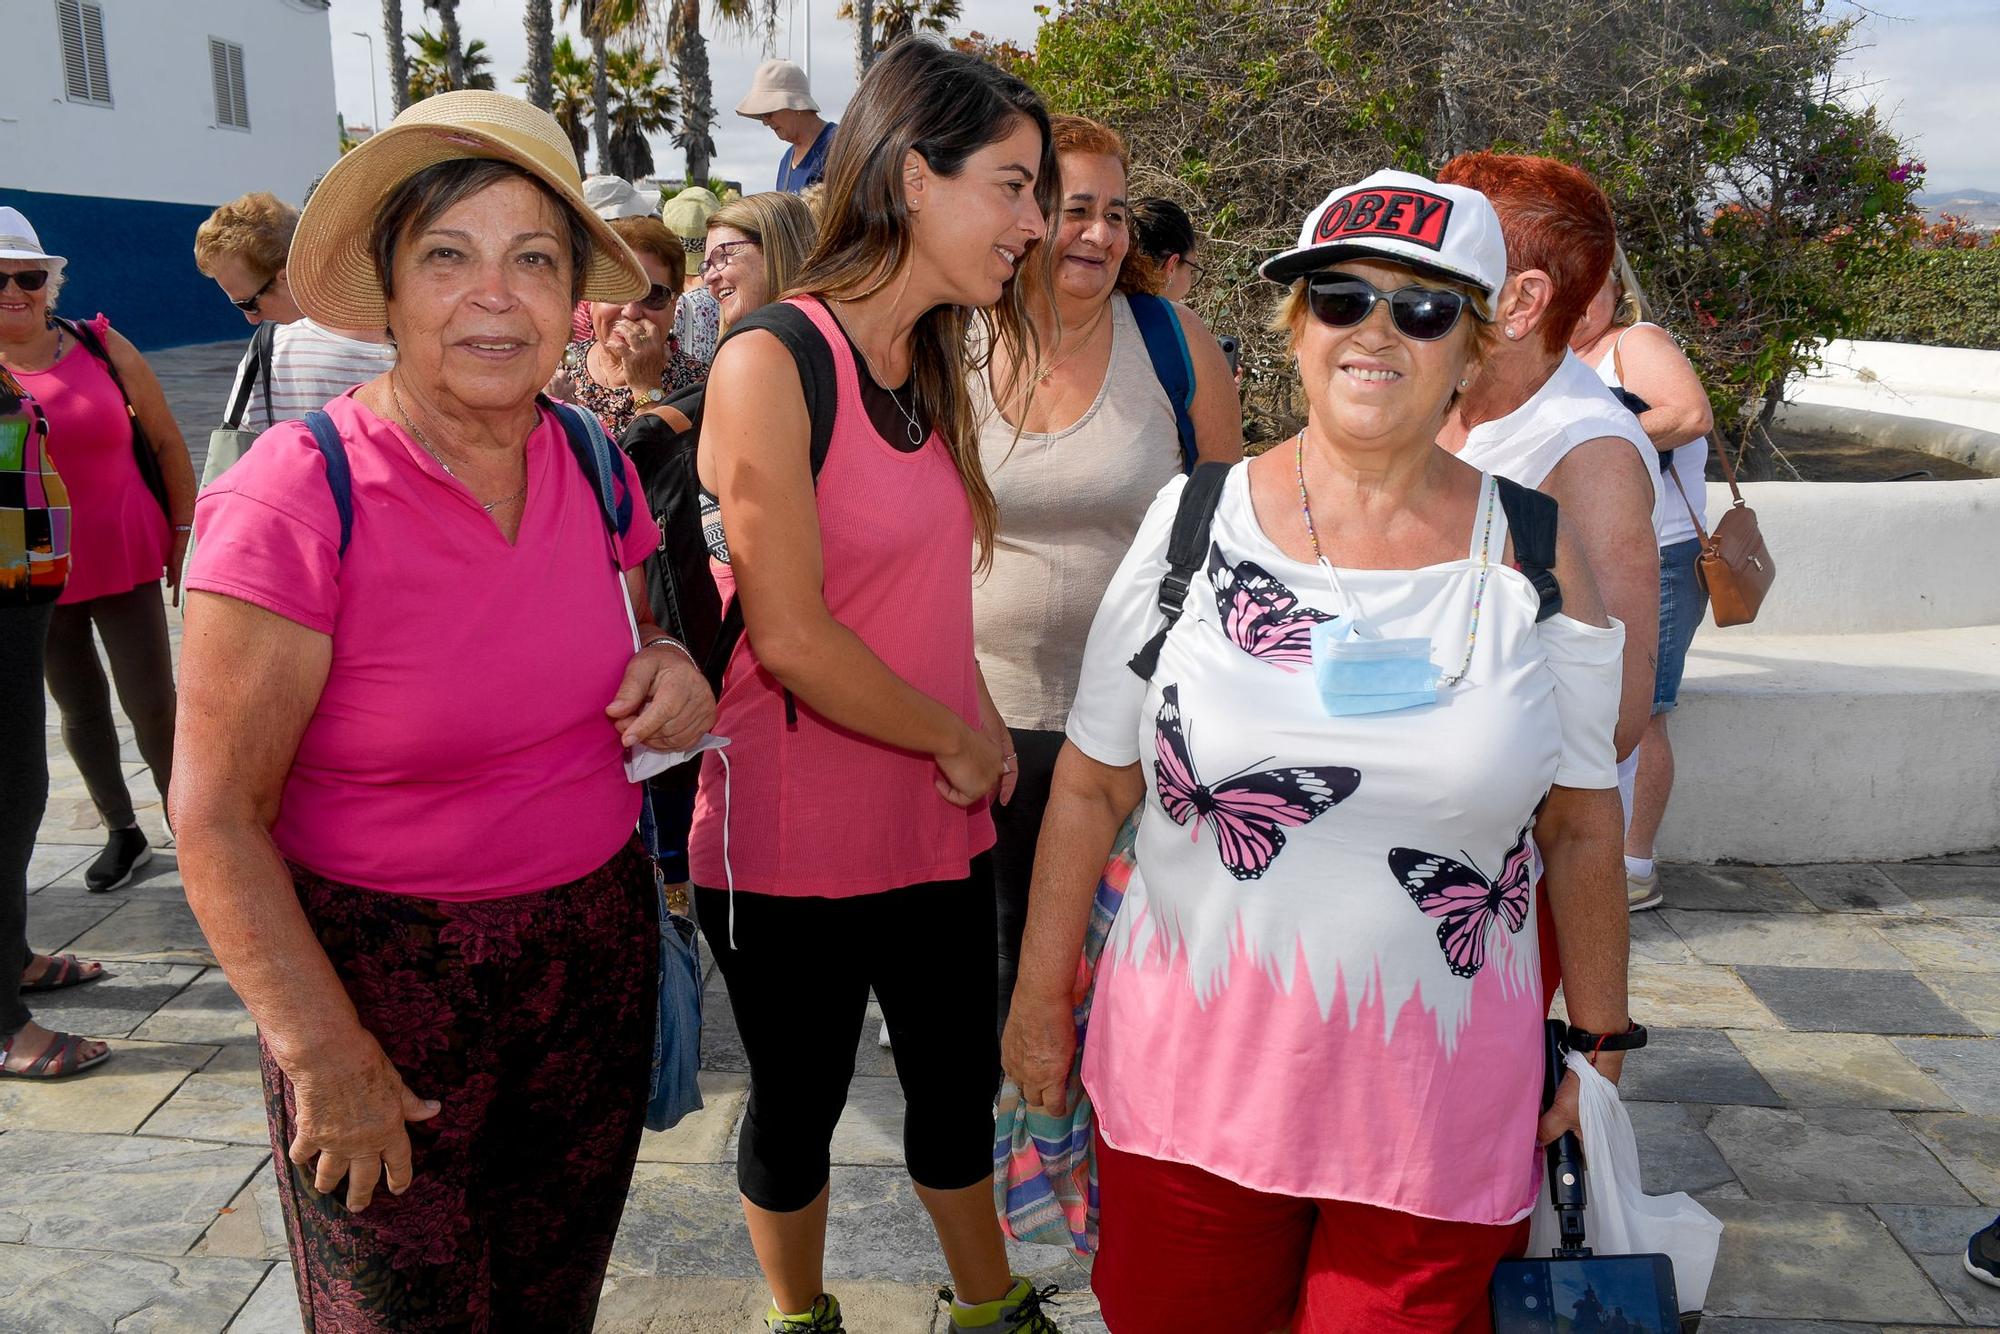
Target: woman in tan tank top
column 1075, row 447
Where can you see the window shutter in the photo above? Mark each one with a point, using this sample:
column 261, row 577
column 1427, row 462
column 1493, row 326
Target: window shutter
column 225, row 72
column 86, row 73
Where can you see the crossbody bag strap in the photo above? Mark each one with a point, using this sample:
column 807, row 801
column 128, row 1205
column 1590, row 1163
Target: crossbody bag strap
column 1728, row 471
column 1699, row 526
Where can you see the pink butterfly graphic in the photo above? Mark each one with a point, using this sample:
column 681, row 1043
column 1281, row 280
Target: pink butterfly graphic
column 1260, row 614
column 1246, row 810
column 1465, row 900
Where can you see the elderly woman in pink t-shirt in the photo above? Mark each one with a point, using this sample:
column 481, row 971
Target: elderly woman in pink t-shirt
column 411, row 685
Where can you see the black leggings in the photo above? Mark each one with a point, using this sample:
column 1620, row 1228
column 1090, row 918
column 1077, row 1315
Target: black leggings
column 134, row 628
column 24, row 793
column 1019, row 826
column 798, row 985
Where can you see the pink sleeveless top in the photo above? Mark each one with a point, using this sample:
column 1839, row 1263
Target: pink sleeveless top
column 119, row 536
column 810, row 809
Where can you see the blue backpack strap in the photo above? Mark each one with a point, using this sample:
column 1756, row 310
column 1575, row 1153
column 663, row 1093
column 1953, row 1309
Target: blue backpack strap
column 339, row 479
column 598, row 458
column 1167, row 347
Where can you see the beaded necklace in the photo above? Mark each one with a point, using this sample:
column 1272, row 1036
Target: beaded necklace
column 1485, row 562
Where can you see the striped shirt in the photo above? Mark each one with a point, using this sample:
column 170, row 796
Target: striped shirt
column 310, row 366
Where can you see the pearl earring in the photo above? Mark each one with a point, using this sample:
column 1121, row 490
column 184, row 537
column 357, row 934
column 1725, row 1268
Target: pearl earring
column 1465, row 384
column 1512, row 332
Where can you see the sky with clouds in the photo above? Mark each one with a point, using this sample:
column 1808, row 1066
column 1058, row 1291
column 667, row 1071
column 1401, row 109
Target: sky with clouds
column 1917, row 58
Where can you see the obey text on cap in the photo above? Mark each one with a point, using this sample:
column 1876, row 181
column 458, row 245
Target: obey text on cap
column 1403, row 215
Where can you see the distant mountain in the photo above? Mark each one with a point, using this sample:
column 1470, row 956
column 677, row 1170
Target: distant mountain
column 1981, row 208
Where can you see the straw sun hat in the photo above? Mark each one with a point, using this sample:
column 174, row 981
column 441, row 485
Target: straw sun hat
column 332, row 268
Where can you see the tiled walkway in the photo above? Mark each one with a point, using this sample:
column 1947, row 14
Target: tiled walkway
column 1823, row 1075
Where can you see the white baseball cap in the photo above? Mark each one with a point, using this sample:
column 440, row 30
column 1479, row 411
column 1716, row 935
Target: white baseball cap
column 778, row 85
column 614, row 197
column 1407, row 219
column 18, row 240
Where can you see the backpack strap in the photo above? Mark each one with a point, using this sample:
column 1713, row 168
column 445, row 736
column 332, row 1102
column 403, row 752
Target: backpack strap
column 1531, row 520
column 599, row 460
column 1166, row 347
column 818, row 380
column 339, row 479
column 1187, row 548
column 264, row 344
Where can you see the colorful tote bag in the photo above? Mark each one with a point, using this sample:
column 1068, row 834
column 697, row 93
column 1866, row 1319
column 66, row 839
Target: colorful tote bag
column 1045, row 1167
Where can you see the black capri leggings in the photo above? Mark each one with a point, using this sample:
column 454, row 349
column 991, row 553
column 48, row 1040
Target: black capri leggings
column 133, row 626
column 798, row 985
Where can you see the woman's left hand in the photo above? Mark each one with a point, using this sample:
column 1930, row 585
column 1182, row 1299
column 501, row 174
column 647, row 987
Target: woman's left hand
column 639, row 347
column 663, row 703
column 1562, row 1115
column 991, row 723
column 176, row 562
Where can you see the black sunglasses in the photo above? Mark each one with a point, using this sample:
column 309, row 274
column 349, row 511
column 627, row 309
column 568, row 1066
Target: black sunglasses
column 31, row 280
column 658, row 297
column 248, row 305
column 1426, row 314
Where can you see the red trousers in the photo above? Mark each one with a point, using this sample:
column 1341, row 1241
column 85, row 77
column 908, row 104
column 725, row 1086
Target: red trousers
column 1181, row 1249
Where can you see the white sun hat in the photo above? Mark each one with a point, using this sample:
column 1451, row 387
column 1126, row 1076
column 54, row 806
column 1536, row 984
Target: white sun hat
column 18, row 240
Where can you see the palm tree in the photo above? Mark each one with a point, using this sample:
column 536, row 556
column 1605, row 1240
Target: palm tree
column 541, row 25
column 454, row 55
column 596, row 16
column 430, row 67
column 682, row 39
column 569, row 89
column 399, row 60
column 890, row 21
column 644, row 105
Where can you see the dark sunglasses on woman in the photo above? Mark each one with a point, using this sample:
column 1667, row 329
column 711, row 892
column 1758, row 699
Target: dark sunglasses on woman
column 658, row 297
column 1426, row 314
column 31, row 280
column 248, row 305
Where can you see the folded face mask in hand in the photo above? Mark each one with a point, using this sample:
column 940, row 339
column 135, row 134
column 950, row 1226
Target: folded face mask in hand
column 641, row 763
column 1359, row 675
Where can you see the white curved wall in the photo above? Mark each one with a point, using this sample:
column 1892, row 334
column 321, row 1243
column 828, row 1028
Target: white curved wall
column 1864, row 557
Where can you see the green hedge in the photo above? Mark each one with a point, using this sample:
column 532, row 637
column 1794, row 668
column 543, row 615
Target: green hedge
column 1946, row 298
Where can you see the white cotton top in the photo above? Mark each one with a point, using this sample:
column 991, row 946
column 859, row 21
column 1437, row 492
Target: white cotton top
column 311, row 365
column 1671, row 517
column 1571, row 408
column 1069, row 501
column 1323, row 981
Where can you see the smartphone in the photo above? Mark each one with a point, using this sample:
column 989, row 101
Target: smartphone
column 1628, row 1294
column 1231, row 349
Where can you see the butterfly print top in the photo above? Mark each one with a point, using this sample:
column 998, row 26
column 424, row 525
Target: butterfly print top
column 1323, row 981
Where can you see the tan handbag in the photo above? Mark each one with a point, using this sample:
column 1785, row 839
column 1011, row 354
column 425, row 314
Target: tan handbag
column 1735, row 567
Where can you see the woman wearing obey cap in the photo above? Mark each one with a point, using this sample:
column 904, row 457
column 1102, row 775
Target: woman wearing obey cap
column 404, row 816
column 1315, row 1047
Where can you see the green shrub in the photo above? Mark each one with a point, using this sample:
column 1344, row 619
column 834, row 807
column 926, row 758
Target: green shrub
column 1944, row 297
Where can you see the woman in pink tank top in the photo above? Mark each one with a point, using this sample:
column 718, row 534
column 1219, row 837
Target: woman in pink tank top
column 839, row 843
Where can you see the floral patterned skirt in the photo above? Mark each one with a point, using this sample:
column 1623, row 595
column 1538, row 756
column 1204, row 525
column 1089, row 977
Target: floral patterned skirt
column 530, row 1019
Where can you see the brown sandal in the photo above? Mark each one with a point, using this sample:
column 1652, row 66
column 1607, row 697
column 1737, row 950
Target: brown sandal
column 59, row 1061
column 64, row 970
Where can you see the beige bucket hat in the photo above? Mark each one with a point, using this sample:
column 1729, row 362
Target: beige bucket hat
column 778, row 85
column 331, row 268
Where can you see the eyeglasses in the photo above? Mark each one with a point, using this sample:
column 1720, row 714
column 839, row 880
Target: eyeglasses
column 248, row 305
column 31, row 280
column 1426, row 314
column 719, row 256
column 658, row 297
column 1200, row 270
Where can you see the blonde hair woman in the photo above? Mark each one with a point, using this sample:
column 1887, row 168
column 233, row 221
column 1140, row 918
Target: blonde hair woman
column 756, row 247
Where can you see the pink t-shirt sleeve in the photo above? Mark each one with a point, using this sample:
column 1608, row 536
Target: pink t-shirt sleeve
column 642, row 535
column 268, row 532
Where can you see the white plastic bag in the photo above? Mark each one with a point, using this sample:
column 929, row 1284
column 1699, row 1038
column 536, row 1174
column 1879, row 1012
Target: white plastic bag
column 1618, row 1217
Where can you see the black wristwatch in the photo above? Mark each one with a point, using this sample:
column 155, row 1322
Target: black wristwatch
column 1589, row 1043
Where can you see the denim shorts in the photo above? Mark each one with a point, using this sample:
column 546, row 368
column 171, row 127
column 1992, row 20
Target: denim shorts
column 1683, row 603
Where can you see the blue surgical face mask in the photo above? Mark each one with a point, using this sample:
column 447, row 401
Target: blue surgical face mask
column 1358, row 673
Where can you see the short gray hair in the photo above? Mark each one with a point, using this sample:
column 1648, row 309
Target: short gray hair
column 429, row 194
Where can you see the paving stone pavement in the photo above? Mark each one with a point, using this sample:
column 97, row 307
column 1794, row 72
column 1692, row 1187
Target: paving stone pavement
column 1824, row 1078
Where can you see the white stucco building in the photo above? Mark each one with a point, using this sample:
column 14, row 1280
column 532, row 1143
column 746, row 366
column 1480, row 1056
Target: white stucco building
column 122, row 122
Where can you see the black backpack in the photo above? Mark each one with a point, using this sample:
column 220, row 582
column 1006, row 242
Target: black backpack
column 1531, row 521
column 685, row 601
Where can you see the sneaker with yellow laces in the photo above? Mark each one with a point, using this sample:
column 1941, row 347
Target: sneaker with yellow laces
column 823, row 1318
column 1021, row 1311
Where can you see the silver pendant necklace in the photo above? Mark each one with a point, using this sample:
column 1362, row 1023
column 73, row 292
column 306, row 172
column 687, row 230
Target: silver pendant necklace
column 915, row 429
column 488, row 505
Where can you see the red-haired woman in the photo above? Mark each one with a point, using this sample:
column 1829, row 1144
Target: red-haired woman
column 1076, row 442
column 1538, row 416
